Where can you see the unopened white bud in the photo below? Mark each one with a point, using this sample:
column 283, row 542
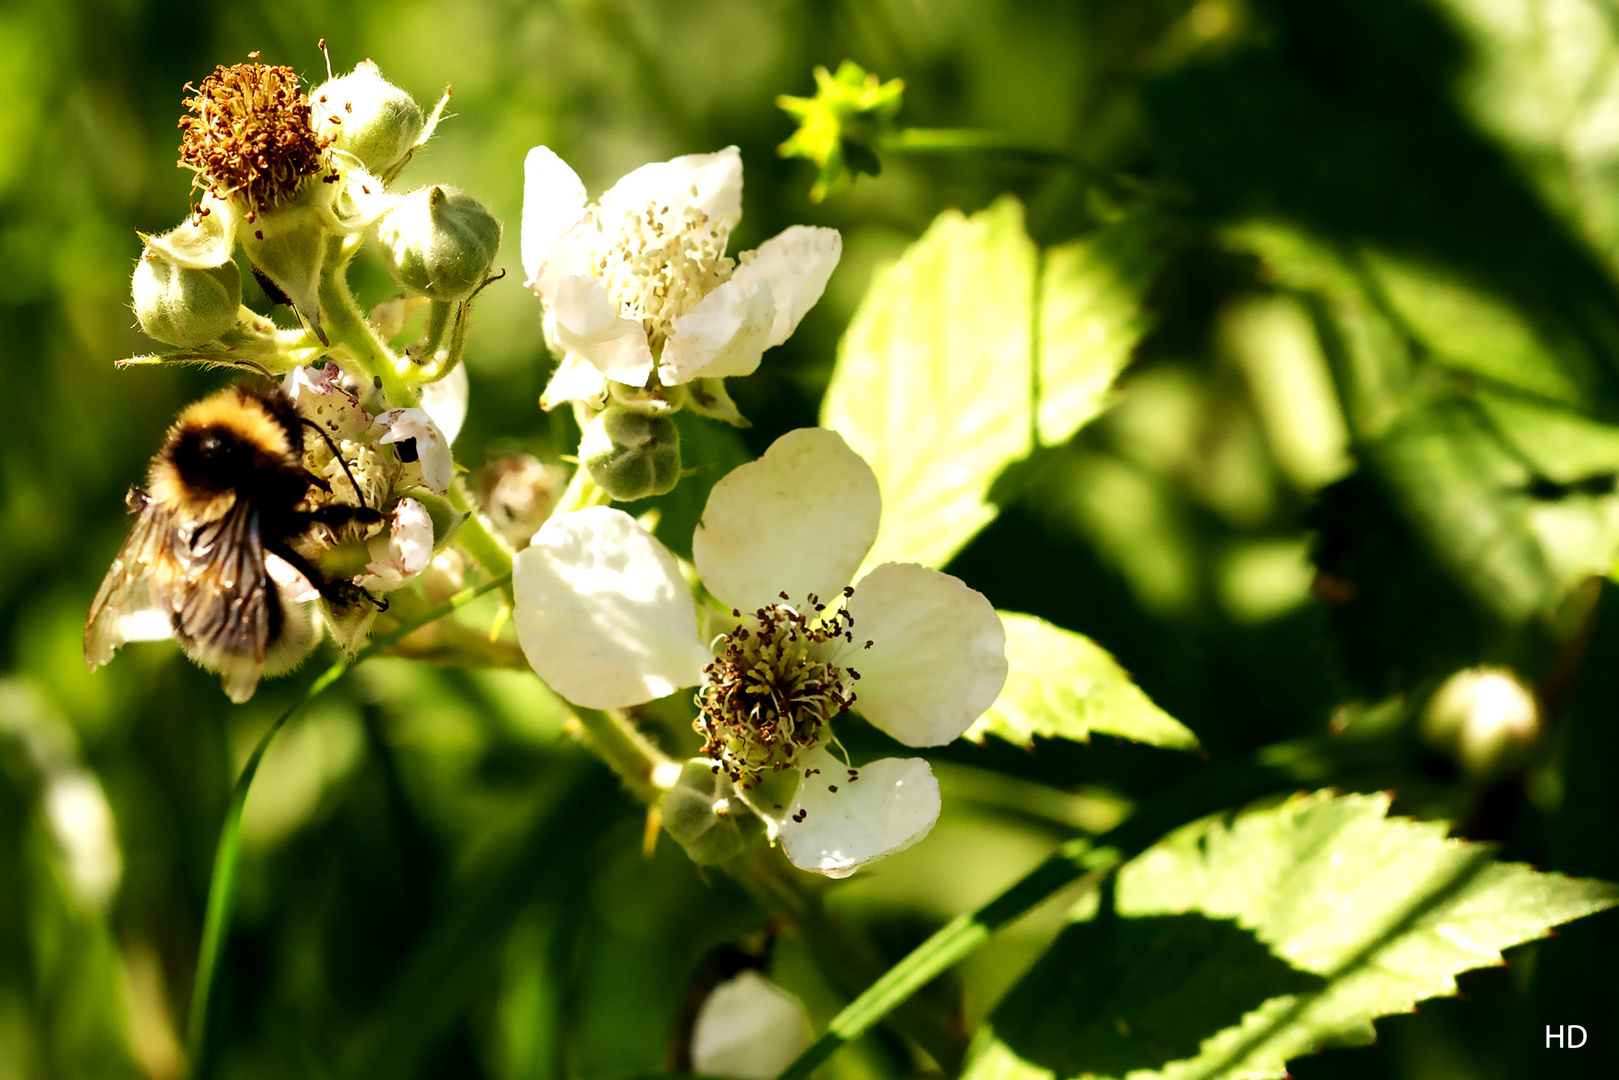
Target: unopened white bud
column 748, row 1029
column 1484, row 718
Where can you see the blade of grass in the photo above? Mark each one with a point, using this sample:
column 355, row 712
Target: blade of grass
column 222, row 883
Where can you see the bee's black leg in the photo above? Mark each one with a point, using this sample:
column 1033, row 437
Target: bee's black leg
column 337, row 515
column 300, row 564
column 335, row 592
column 327, row 439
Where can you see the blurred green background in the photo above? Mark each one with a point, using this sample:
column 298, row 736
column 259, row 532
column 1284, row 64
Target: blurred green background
column 1385, row 348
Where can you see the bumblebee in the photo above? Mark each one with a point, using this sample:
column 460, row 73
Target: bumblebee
column 212, row 558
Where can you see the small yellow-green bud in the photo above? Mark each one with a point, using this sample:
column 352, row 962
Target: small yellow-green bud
column 705, row 816
column 1484, row 718
column 632, row 456
column 439, row 243
column 185, row 306
column 366, row 115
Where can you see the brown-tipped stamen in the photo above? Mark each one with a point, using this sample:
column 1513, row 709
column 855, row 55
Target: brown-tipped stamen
column 771, row 692
column 251, row 137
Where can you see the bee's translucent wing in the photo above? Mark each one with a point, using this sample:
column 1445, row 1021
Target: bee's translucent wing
column 228, row 609
column 132, row 603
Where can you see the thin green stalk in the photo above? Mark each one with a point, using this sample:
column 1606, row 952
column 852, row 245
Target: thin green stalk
column 582, row 492
column 474, row 534
column 951, row 943
column 222, row 885
column 969, row 141
column 848, row 961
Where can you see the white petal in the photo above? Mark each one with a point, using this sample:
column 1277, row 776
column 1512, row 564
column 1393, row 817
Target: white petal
column 446, row 401
column 748, row 1028
column 570, row 256
column 602, row 612
column 553, row 202
column 575, row 379
column 586, row 322
column 319, row 394
column 939, row 653
column 432, row 448
column 796, row 265
column 799, row 520
column 710, row 182
column 725, row 334
column 890, row 805
column 405, row 551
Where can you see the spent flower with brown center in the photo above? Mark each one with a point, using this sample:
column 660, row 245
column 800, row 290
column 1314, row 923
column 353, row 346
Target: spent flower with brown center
column 251, row 137
column 770, row 693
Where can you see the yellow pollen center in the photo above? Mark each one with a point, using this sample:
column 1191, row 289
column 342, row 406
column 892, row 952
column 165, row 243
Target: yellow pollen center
column 657, row 264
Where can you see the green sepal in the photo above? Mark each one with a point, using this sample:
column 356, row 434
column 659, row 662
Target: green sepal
column 705, row 817
column 710, row 398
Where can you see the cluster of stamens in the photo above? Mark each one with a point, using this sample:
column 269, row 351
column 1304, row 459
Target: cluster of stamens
column 373, row 475
column 661, row 264
column 252, row 136
column 769, row 694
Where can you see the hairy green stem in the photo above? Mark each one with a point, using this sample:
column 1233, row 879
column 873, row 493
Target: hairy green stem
column 222, row 883
column 438, row 321
column 645, row 770
column 348, row 329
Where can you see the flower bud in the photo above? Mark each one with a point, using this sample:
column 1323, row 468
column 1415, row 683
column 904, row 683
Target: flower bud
column 374, row 120
column 706, row 818
column 185, row 306
column 748, row 1029
column 1484, row 718
column 439, row 243
column 630, row 455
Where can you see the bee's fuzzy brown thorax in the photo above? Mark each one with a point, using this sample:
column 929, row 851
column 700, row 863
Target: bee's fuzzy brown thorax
column 234, row 442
